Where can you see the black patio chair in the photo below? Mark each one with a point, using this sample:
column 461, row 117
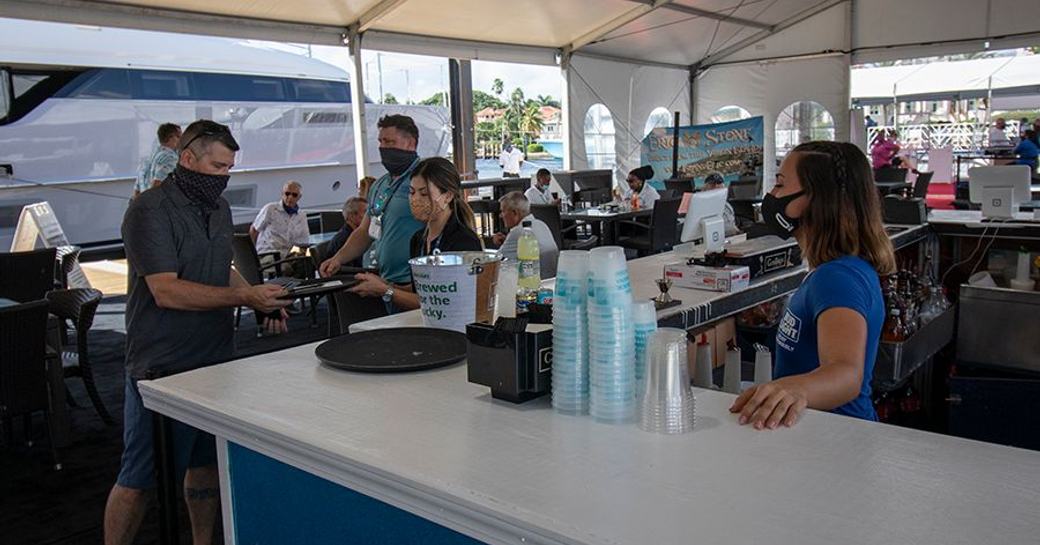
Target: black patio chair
column 550, row 215
column 78, row 306
column 23, row 368
column 346, row 309
column 27, row 276
column 247, row 262
column 66, row 259
column 657, row 236
column 924, row 179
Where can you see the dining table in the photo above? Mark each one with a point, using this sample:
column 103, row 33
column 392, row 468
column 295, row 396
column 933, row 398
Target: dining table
column 606, row 220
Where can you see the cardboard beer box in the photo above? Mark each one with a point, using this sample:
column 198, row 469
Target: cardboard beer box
column 699, row 277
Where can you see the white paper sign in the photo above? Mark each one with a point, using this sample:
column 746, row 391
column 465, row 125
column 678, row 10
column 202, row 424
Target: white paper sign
column 39, row 220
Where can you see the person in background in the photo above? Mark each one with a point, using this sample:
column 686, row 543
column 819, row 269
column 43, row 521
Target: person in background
column 353, row 215
column 828, row 338
column 280, row 226
column 388, row 226
column 539, row 192
column 1027, row 150
column 515, row 210
column 712, row 182
column 884, row 149
column 870, row 122
column 998, row 137
column 364, row 185
column 1023, row 124
column 510, row 161
column 638, row 188
column 1036, row 125
column 179, row 316
column 437, row 201
column 162, row 162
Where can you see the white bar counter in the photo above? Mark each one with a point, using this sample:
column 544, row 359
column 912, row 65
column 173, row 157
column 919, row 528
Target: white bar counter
column 435, row 449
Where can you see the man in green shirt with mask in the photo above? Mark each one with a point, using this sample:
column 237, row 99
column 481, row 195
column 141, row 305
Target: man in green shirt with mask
column 388, row 224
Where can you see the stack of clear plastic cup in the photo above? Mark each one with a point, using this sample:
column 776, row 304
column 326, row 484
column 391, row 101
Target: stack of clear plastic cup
column 667, row 404
column 612, row 351
column 570, row 372
column 645, row 316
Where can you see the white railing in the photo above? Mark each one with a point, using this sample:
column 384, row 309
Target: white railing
column 969, row 137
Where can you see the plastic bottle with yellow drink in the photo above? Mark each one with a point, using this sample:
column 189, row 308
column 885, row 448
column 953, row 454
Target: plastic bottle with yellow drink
column 529, row 276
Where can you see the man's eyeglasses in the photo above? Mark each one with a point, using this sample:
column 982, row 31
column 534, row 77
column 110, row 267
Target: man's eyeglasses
column 291, row 194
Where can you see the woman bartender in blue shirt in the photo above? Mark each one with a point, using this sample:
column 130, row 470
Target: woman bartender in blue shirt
column 828, row 337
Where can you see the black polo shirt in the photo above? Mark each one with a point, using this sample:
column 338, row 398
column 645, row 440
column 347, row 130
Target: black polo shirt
column 456, row 237
column 163, row 231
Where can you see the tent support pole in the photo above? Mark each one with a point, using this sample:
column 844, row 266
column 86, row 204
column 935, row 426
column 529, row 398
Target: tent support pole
column 565, row 107
column 357, row 101
column 460, row 80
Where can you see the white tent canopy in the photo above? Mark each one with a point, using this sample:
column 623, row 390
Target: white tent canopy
column 758, row 54
column 1001, row 76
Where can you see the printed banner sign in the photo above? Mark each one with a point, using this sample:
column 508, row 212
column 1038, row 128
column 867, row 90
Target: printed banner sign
column 729, row 151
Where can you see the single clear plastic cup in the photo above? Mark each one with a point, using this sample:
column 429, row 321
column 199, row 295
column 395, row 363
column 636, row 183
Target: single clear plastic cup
column 666, row 402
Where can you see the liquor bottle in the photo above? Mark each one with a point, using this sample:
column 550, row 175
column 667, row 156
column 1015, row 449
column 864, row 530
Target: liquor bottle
column 894, row 331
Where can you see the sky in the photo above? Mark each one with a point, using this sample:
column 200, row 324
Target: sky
column 417, row 77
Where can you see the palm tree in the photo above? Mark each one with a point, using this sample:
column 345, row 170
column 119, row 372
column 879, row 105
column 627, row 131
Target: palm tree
column 497, row 87
column 530, row 122
column 547, row 100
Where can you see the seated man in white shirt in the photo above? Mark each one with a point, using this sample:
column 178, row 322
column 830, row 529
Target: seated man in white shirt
column 279, row 226
column 714, row 181
column 637, row 187
column 515, row 209
column 539, row 192
column 997, row 136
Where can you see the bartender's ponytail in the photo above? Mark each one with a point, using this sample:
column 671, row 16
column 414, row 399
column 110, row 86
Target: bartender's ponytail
column 441, row 173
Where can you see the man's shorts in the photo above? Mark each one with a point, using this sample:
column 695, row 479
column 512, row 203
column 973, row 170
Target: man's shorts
column 191, row 447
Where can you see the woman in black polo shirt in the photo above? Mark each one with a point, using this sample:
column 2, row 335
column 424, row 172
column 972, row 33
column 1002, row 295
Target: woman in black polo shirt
column 436, row 199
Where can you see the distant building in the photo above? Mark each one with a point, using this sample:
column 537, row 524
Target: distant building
column 489, row 115
column 552, row 123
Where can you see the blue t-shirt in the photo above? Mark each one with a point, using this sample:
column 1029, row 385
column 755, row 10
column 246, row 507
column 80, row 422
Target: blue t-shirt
column 1027, row 152
column 847, row 282
column 388, row 198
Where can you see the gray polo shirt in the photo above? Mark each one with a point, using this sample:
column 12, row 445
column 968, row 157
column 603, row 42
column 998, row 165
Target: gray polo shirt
column 163, row 231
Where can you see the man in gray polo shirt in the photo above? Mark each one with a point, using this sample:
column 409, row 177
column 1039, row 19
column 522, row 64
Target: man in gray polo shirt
column 182, row 294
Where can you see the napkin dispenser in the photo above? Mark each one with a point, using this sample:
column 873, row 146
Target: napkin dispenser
column 513, row 358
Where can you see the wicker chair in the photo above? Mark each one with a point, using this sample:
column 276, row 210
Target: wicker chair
column 79, row 306
column 23, row 368
column 27, row 276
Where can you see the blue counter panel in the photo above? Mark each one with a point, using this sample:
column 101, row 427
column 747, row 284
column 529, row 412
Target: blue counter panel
column 277, row 504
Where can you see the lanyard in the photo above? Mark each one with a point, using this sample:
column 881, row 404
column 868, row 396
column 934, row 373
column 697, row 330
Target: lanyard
column 388, row 191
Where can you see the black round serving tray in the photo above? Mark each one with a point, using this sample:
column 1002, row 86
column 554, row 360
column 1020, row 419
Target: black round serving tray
column 394, row 350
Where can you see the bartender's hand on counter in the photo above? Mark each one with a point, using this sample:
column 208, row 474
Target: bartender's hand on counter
column 329, row 267
column 767, row 406
column 498, row 239
column 369, row 285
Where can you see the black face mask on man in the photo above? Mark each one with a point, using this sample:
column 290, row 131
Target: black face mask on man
column 396, row 161
column 774, row 212
column 202, row 189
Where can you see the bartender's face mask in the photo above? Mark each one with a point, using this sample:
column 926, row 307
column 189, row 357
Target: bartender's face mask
column 396, row 150
column 425, row 200
column 784, row 205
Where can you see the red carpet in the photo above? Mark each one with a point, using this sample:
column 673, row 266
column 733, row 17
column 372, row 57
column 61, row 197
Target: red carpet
column 940, row 195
